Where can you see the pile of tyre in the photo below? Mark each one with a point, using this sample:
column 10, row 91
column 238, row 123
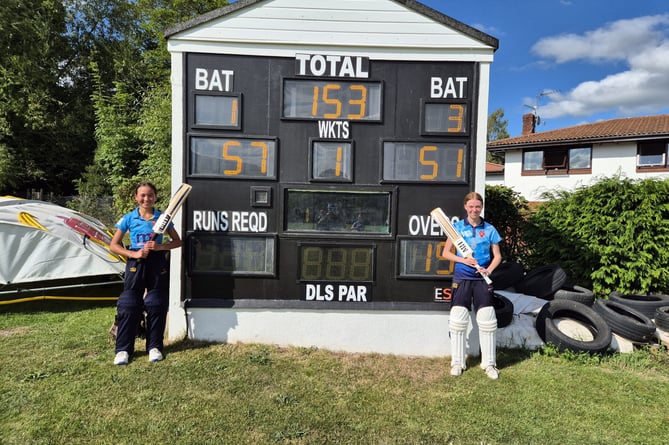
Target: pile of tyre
column 633, row 317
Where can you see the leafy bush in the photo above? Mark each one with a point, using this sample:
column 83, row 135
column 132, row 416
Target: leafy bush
column 609, row 236
column 506, row 210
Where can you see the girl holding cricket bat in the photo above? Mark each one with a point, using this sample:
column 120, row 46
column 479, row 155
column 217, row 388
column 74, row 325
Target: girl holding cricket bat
column 469, row 288
column 146, row 286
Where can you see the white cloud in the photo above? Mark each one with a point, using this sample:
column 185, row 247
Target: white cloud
column 642, row 44
column 617, row 40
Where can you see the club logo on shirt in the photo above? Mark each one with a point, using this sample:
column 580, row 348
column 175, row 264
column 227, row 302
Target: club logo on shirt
column 481, row 233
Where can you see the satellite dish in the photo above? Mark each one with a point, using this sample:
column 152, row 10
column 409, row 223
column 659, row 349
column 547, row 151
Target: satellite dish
column 538, row 121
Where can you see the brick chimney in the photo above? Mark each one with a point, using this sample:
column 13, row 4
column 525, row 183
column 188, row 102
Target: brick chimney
column 529, row 123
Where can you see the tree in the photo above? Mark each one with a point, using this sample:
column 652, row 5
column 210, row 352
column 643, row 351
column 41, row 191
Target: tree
column 132, row 97
column 45, row 126
column 496, row 130
column 497, row 126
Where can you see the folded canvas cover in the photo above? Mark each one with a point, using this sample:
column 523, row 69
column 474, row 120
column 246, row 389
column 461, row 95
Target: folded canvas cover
column 44, row 244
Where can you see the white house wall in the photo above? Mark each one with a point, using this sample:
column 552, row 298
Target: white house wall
column 607, row 160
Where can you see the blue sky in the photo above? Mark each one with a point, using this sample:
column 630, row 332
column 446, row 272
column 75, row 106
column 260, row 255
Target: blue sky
column 577, row 61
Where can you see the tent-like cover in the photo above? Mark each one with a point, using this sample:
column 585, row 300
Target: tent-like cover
column 49, row 250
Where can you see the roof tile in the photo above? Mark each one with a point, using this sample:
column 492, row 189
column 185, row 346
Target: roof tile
column 623, row 128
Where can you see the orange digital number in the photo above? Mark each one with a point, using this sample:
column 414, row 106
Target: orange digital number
column 362, row 102
column 233, row 112
column 336, row 102
column 228, row 157
column 429, row 163
column 264, row 148
column 338, row 163
column 457, row 118
column 436, row 252
column 238, row 160
column 328, row 97
column 440, row 257
column 461, row 156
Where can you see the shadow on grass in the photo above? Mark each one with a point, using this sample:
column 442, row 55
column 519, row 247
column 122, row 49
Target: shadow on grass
column 188, row 345
column 507, row 357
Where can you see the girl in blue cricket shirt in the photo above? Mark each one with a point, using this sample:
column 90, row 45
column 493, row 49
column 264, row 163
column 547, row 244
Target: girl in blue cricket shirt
column 146, row 286
column 469, row 287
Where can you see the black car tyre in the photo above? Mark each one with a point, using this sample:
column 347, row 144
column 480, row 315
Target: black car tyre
column 507, row 274
column 662, row 318
column 575, row 293
column 503, row 310
column 646, row 304
column 542, row 282
column 625, row 321
column 586, row 316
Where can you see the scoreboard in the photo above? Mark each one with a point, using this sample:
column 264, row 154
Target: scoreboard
column 313, row 177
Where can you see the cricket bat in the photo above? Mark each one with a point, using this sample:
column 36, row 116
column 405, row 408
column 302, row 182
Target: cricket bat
column 458, row 241
column 164, row 220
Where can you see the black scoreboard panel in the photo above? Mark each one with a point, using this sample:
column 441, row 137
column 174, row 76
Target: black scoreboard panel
column 313, row 177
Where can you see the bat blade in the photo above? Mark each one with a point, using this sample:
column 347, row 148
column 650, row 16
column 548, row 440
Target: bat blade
column 173, row 207
column 458, row 241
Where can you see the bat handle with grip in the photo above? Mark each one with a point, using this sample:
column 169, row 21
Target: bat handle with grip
column 486, row 278
column 483, row 274
column 151, row 238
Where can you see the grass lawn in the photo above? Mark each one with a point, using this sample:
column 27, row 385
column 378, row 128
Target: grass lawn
column 58, row 386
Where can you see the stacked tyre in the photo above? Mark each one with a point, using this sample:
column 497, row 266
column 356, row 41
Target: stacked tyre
column 542, row 282
column 575, row 293
column 507, row 275
column 503, row 310
column 626, row 321
column 647, row 304
column 550, row 315
column 662, row 318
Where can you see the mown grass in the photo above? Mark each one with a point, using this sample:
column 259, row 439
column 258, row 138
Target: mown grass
column 58, row 386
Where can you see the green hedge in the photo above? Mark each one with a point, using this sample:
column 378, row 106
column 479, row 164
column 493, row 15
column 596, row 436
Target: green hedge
column 609, row 236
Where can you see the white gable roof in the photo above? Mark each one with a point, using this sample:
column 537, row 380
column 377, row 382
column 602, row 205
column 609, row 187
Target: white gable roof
column 388, row 29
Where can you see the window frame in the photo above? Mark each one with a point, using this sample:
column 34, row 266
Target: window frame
column 556, row 160
column 652, row 148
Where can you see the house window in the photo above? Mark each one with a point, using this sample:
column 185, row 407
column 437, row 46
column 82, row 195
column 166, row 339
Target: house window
column 533, row 161
column 651, row 155
column 555, row 159
column 579, row 158
column 562, row 160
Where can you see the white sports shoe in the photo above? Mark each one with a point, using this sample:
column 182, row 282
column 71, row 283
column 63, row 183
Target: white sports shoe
column 121, row 358
column 456, row 370
column 492, row 372
column 155, row 355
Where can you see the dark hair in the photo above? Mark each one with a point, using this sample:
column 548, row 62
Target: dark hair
column 146, row 184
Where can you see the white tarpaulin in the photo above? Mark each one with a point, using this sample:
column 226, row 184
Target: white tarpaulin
column 521, row 332
column 44, row 242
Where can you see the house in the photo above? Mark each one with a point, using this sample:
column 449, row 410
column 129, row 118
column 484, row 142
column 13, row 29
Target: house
column 564, row 159
column 494, row 173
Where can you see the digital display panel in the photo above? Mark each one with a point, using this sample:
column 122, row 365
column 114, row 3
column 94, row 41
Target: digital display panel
column 240, row 158
column 425, row 162
column 336, row 263
column 445, row 118
column 313, row 177
column 332, row 99
column 338, row 211
column 218, row 111
column 232, row 254
column 423, row 258
column 332, row 161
